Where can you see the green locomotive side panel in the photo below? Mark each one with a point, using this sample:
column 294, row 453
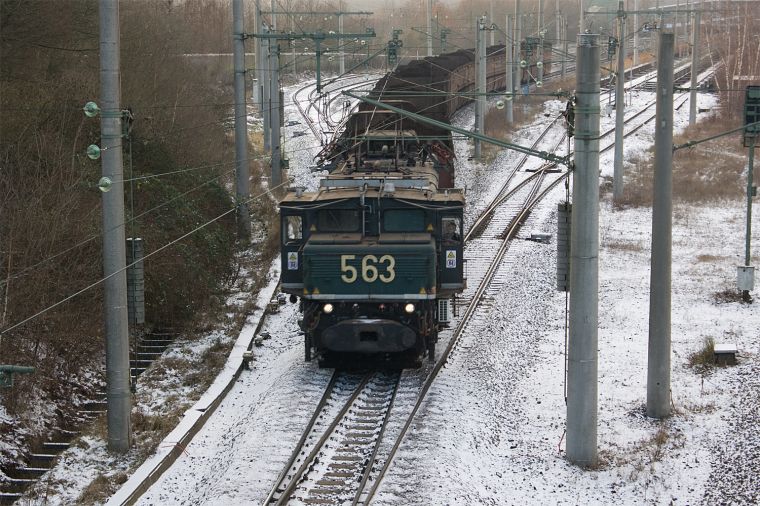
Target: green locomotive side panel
column 391, row 267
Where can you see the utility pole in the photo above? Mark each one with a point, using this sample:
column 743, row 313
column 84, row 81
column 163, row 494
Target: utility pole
column 430, row 27
column 276, row 121
column 317, row 38
column 635, row 33
column 510, row 48
column 617, row 180
column 258, row 75
column 565, row 54
column 658, row 371
column 540, row 56
column 580, row 19
column 677, row 29
column 114, row 245
column 480, row 103
column 557, row 23
column 340, row 13
column 242, row 191
column 342, row 53
column 293, row 47
column 265, row 76
column 518, row 48
column 490, row 21
column 694, row 68
column 748, row 269
column 582, row 369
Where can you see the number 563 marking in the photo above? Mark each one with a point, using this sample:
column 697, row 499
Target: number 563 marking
column 369, row 267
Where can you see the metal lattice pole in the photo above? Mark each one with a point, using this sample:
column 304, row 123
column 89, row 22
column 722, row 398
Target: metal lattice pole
column 584, row 262
column 114, row 246
column 658, row 370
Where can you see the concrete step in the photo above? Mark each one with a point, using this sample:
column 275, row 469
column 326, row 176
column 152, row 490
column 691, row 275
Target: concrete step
column 53, row 446
column 156, row 342
column 145, row 355
column 16, row 485
column 29, row 472
column 42, row 459
column 94, row 406
column 140, row 364
column 9, row 497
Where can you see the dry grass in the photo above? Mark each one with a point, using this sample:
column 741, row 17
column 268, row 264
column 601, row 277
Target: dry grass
column 727, row 296
column 703, row 360
column 643, row 455
column 705, row 173
column 101, row 488
column 624, row 246
column 211, row 362
column 708, row 258
column 159, row 424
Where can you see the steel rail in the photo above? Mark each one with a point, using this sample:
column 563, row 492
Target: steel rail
column 514, row 226
column 325, row 397
column 305, row 113
column 371, row 460
column 509, row 234
column 293, row 483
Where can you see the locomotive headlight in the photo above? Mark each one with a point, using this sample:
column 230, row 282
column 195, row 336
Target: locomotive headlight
column 327, row 308
column 409, row 308
column 500, row 104
column 539, row 64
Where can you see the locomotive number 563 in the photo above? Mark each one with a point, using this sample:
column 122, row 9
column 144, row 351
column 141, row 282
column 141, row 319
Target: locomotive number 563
column 369, row 268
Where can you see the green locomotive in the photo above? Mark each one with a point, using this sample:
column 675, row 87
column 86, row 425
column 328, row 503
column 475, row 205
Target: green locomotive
column 375, row 254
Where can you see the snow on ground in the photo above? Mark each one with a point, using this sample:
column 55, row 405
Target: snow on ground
column 238, row 454
column 492, row 428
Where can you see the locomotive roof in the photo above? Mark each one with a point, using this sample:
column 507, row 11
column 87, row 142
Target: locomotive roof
column 420, row 184
column 453, row 196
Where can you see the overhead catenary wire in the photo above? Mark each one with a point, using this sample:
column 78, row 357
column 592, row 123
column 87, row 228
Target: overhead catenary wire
column 25, row 270
column 145, row 257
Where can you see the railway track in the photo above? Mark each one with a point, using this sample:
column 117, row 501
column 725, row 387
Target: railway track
column 351, row 469
column 342, row 457
column 324, row 106
column 487, row 252
column 334, row 458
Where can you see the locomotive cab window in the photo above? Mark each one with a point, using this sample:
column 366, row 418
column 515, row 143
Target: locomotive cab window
column 404, row 220
column 338, row 220
column 293, row 226
column 451, row 228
